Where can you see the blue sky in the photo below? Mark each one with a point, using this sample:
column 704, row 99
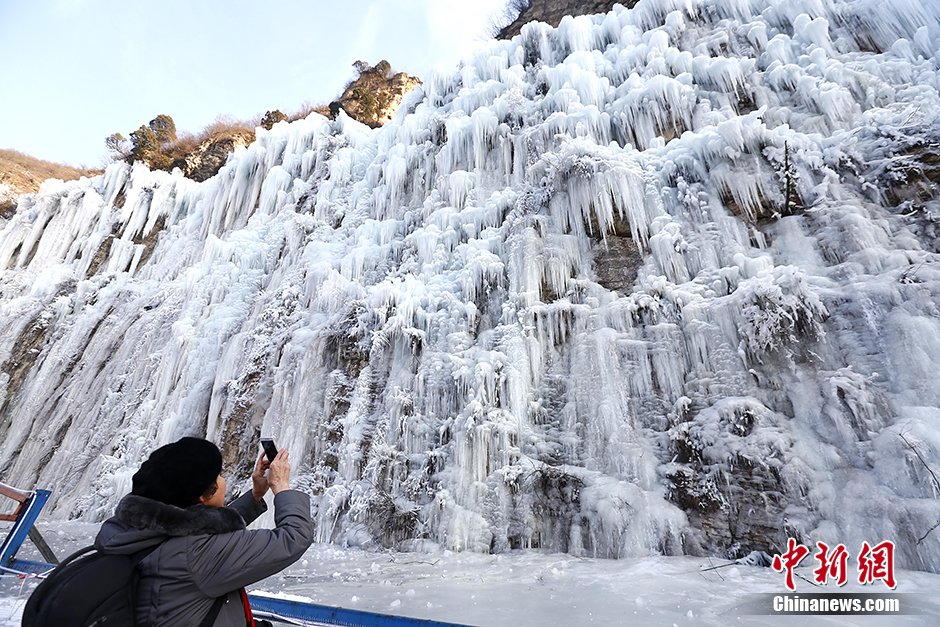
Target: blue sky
column 74, row 71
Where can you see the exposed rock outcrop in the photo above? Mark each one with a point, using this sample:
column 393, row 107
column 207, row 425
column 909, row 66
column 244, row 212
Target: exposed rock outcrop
column 551, row 12
column 7, row 201
column 209, row 156
column 375, row 96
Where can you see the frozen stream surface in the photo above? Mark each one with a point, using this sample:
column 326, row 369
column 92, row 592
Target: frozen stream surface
column 528, row 588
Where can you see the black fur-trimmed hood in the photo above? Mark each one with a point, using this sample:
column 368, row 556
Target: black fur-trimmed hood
column 140, row 523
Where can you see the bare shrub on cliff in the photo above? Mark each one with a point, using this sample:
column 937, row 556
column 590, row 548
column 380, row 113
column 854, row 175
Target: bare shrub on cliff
column 510, row 13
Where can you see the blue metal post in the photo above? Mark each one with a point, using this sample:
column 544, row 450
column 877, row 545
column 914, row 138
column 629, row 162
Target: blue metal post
column 23, row 524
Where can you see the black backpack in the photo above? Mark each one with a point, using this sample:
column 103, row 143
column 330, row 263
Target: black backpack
column 91, row 591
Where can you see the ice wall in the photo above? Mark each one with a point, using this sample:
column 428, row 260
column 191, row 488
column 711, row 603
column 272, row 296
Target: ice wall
column 665, row 280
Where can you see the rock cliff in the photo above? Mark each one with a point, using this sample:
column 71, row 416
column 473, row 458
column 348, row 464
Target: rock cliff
column 210, row 155
column 374, row 97
column 551, row 12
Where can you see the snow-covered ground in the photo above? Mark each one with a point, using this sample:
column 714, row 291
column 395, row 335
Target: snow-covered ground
column 531, row 588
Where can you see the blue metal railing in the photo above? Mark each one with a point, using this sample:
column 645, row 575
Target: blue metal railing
column 20, row 531
column 311, row 613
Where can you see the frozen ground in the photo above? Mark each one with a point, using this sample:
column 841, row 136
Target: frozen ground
column 528, row 588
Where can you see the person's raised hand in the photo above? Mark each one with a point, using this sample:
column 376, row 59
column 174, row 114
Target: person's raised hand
column 259, row 482
column 279, row 472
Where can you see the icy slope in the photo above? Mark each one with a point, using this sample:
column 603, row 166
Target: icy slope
column 661, row 281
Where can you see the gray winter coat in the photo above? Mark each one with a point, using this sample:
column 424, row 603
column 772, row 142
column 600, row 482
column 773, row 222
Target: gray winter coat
column 204, row 552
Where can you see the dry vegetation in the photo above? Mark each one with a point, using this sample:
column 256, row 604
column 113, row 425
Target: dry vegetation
column 222, row 128
column 199, row 155
column 23, row 173
column 225, row 127
column 166, row 155
column 500, row 22
column 306, row 109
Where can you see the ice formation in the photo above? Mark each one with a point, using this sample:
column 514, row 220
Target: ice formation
column 665, row 280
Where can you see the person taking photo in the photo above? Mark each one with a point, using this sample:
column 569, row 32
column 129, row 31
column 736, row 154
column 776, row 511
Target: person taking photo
column 198, row 554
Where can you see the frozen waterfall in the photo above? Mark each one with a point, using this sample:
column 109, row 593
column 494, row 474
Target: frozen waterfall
column 665, row 280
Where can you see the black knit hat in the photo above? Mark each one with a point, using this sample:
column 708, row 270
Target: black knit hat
column 179, row 473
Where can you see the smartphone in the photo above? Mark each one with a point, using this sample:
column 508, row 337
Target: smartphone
column 269, row 449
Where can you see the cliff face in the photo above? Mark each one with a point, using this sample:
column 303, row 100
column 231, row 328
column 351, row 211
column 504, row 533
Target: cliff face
column 551, row 12
column 209, row 156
